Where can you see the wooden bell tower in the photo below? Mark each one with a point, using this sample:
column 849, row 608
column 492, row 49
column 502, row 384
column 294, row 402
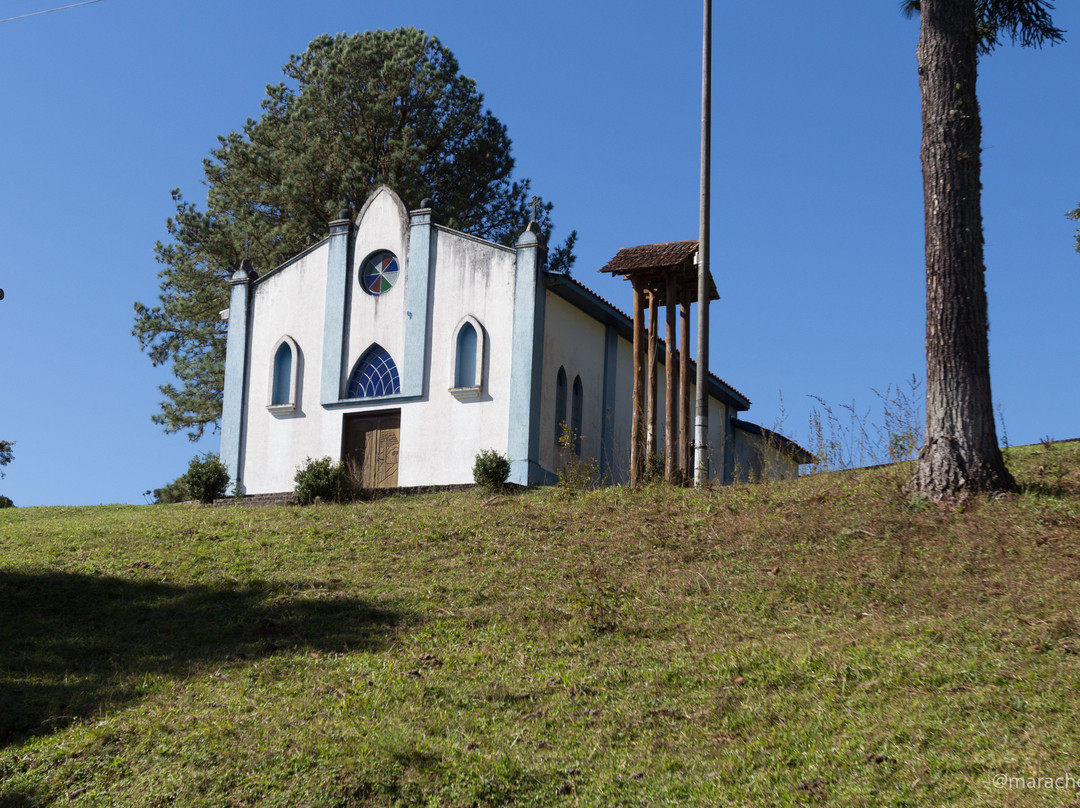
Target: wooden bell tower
column 662, row 275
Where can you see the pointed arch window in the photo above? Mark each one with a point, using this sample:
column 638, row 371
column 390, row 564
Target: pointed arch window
column 374, row 375
column 468, row 359
column 283, row 361
column 465, row 372
column 284, row 376
column 575, row 413
column 560, row 403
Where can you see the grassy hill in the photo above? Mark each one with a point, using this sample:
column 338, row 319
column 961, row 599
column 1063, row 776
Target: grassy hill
column 823, row 642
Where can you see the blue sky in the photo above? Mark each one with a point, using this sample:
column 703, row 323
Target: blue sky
column 817, row 202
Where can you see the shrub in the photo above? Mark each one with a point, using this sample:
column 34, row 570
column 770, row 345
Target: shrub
column 319, row 479
column 6, row 503
column 206, row 478
column 176, row 491
column 575, row 473
column 352, row 478
column 654, row 468
column 491, row 470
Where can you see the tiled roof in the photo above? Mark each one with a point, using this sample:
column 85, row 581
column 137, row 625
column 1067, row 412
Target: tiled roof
column 651, row 256
column 587, row 290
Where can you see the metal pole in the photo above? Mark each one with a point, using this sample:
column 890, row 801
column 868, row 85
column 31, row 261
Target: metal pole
column 637, row 416
column 701, row 419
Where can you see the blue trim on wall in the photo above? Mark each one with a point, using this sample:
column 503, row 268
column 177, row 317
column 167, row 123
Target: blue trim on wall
column 729, row 448
column 237, row 351
column 526, row 364
column 607, row 412
column 337, row 280
column 417, row 296
column 359, row 404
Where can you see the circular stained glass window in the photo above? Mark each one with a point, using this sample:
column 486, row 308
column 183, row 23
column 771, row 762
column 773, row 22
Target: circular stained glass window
column 379, row 273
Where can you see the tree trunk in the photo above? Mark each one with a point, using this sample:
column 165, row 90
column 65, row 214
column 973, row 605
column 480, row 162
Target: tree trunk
column 961, row 454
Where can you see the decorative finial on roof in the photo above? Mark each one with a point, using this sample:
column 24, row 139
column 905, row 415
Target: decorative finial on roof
column 533, row 204
column 245, row 273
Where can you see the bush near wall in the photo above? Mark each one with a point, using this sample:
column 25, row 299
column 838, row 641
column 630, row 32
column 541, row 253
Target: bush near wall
column 321, row 479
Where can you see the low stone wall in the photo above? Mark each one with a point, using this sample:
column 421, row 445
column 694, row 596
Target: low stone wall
column 258, row 500
column 289, row 497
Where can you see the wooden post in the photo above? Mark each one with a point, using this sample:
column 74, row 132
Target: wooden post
column 636, row 421
column 684, row 391
column 650, row 441
column 671, row 415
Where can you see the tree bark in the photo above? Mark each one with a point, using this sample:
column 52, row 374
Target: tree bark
column 961, row 454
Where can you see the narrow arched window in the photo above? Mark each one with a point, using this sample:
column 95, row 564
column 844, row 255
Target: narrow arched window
column 465, row 367
column 375, row 374
column 284, row 376
column 468, row 358
column 560, row 404
column 575, row 413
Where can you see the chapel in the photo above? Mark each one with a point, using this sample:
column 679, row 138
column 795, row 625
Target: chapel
column 405, row 348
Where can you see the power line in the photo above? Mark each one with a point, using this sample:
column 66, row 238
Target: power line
column 50, row 10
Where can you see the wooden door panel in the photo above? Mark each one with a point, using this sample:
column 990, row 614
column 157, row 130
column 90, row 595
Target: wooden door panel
column 372, row 442
column 386, row 455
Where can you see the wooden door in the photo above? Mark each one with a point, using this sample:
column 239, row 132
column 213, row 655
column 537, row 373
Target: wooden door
column 371, row 442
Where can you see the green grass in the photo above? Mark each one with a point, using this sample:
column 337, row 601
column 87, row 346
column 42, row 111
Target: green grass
column 824, row 642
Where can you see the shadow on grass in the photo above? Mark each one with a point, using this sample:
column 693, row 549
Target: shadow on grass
column 73, row 644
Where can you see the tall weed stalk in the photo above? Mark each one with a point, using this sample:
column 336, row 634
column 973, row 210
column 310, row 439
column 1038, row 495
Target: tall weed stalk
column 847, row 437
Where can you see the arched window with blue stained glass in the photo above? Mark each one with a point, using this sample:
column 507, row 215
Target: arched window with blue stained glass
column 374, row 375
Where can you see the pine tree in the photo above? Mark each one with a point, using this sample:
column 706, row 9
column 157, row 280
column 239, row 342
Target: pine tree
column 961, row 453
column 355, row 112
column 6, row 453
